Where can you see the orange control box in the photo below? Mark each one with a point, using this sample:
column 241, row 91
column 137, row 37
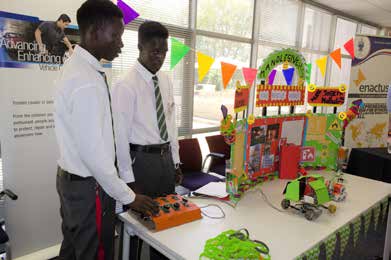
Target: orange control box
column 174, row 210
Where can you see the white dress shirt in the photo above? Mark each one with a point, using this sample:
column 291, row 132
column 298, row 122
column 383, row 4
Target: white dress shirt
column 83, row 125
column 135, row 103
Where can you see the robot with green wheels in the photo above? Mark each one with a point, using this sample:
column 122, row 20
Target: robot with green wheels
column 309, row 194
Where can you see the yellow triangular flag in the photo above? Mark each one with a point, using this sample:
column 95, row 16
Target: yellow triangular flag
column 322, row 62
column 204, row 64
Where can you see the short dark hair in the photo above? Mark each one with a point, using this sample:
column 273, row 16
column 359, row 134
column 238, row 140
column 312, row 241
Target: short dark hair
column 95, row 13
column 65, row 18
column 151, row 29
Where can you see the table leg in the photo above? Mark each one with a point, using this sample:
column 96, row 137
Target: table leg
column 387, row 245
column 125, row 244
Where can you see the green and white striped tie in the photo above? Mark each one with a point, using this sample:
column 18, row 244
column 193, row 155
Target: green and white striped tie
column 161, row 119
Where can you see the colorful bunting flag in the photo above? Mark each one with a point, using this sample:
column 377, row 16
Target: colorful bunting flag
column 360, row 78
column 272, row 76
column 349, row 47
column 178, row 51
column 227, row 71
column 129, row 13
column 288, row 75
column 322, row 62
column 308, row 73
column 204, row 64
column 336, row 56
column 249, row 75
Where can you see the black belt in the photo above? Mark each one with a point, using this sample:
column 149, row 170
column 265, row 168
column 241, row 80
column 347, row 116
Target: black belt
column 155, row 148
column 72, row 177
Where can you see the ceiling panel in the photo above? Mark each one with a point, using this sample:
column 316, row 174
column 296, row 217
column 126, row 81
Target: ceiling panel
column 375, row 11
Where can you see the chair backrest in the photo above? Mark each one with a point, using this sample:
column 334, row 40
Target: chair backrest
column 217, row 145
column 190, row 155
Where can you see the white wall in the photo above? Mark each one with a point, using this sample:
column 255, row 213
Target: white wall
column 33, row 221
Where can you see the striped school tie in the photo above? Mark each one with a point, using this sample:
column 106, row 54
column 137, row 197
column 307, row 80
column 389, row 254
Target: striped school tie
column 161, row 119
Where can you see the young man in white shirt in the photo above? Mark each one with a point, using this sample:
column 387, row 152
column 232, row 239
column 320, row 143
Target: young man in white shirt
column 87, row 180
column 147, row 134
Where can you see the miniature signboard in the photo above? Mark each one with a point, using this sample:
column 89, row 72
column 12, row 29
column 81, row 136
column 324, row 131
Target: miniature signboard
column 280, row 95
column 326, row 96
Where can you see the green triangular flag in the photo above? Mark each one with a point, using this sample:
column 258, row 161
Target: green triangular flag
column 313, row 254
column 356, row 230
column 344, row 234
column 376, row 213
column 178, row 51
column 330, row 243
column 367, row 221
column 308, row 73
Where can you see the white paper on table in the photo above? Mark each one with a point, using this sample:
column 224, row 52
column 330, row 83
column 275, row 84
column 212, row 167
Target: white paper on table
column 215, row 189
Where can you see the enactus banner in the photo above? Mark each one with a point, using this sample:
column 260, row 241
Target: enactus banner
column 369, row 80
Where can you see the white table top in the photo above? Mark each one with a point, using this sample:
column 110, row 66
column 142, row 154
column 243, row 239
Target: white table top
column 287, row 234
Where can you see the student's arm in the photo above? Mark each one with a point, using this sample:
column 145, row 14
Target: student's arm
column 123, row 102
column 174, row 140
column 69, row 45
column 87, row 107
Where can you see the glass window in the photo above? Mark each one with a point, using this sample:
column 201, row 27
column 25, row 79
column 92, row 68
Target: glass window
column 344, row 32
column 279, row 21
column 263, row 52
column 209, row 94
column 234, row 17
column 368, row 30
column 174, row 12
column 341, row 76
column 316, row 30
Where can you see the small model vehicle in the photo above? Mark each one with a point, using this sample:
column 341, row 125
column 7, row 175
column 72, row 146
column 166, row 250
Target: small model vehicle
column 308, row 195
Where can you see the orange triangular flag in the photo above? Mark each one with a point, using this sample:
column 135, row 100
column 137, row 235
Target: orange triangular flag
column 336, row 56
column 360, row 78
column 227, row 71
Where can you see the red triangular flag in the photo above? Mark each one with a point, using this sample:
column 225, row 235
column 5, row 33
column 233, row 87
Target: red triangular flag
column 349, row 47
column 249, row 75
column 227, row 71
column 336, row 56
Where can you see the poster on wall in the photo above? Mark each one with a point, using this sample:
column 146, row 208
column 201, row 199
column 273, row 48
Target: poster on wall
column 369, row 83
column 323, row 138
column 28, row 71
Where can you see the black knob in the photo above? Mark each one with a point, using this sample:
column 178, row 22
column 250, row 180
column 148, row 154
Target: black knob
column 176, row 205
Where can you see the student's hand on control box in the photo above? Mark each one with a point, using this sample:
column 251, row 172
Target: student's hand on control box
column 144, row 204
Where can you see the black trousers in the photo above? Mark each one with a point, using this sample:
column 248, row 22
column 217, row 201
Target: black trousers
column 79, row 218
column 154, row 176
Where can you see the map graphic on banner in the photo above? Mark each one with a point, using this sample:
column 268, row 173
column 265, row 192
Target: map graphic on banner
column 369, row 83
